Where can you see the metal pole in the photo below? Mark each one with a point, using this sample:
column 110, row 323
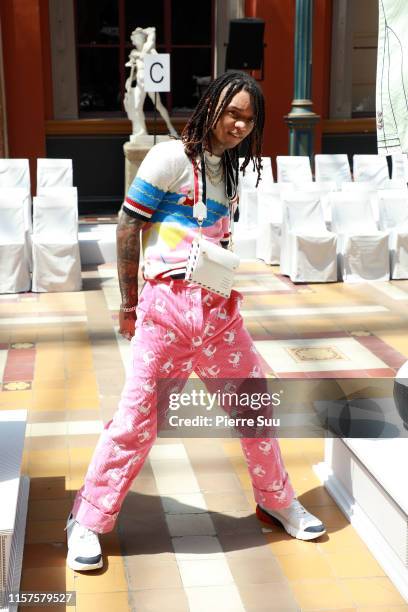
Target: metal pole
column 301, row 118
column 155, row 117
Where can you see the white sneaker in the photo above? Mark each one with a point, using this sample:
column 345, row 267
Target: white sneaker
column 84, row 549
column 295, row 519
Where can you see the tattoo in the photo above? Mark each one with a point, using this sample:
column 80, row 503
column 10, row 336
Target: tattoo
column 128, row 253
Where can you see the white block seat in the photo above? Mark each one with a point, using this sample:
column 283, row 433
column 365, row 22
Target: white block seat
column 309, row 250
column 334, row 167
column 372, row 168
column 56, row 257
column 268, row 245
column 53, row 173
column 362, row 248
column 293, row 168
column 14, row 263
column 393, row 205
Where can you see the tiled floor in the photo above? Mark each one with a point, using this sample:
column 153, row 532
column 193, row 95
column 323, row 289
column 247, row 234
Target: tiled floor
column 187, row 537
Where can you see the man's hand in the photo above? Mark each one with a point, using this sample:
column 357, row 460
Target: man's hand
column 127, row 321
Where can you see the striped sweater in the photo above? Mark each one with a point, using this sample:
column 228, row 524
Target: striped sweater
column 162, row 195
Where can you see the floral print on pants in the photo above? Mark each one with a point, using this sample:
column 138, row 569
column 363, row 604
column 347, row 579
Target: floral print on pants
column 180, row 328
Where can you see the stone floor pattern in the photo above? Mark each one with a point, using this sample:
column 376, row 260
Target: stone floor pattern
column 187, row 537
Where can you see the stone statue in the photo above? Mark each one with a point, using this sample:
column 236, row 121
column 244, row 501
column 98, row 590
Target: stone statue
column 144, row 40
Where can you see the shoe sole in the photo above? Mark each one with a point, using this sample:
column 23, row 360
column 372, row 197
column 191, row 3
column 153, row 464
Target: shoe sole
column 299, row 534
column 83, row 567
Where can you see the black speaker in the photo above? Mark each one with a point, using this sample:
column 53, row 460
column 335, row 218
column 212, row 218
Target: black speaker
column 245, row 44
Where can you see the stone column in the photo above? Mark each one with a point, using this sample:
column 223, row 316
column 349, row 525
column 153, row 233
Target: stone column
column 301, row 118
column 341, row 64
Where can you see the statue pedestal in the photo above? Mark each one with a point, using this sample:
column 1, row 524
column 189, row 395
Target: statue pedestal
column 135, row 153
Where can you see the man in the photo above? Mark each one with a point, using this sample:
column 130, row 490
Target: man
column 177, row 321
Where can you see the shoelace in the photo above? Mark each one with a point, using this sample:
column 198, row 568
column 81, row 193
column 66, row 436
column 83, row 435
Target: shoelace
column 84, row 532
column 298, row 508
column 70, row 522
column 87, row 534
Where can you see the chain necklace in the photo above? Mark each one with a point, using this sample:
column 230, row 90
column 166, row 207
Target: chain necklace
column 214, row 170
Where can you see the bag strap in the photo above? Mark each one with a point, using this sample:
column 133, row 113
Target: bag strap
column 200, row 199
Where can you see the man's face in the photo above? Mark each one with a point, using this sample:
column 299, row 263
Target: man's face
column 236, row 123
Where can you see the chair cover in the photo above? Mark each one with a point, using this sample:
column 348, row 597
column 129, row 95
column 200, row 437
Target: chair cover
column 268, row 243
column 21, row 196
column 293, row 168
column 393, row 205
column 309, row 252
column 364, row 187
column 400, row 167
column 363, row 250
column 248, row 200
column 395, row 183
column 372, row 168
column 53, row 173
column 14, row 266
column 15, row 173
column 56, row 258
column 321, row 190
column 332, row 168
column 248, row 180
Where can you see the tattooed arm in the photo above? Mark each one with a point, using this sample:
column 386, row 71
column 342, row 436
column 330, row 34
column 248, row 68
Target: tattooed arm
column 128, row 253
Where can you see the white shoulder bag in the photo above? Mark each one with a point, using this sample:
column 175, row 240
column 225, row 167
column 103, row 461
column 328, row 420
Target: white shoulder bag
column 209, row 265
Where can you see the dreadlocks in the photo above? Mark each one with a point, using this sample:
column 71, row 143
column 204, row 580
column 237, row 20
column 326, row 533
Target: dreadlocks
column 196, row 134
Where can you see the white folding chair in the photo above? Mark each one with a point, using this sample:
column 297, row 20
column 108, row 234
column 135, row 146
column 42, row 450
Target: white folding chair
column 20, row 196
column 248, row 200
column 372, row 168
column 14, row 266
column 364, row 188
column 15, row 173
column 53, row 173
column 400, row 167
column 393, row 206
column 70, row 193
column 293, row 168
column 321, row 190
column 363, row 250
column 268, row 244
column 248, row 180
column 332, row 168
column 309, row 252
column 395, row 184
column 56, row 258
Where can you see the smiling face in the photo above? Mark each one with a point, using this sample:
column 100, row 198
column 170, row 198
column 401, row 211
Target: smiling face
column 236, row 123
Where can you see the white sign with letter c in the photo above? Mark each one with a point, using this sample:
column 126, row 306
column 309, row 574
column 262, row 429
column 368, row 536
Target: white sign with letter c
column 157, row 72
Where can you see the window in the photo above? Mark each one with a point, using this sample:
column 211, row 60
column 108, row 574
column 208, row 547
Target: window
column 103, row 29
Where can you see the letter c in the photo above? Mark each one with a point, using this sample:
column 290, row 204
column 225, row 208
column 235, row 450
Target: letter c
column 151, row 72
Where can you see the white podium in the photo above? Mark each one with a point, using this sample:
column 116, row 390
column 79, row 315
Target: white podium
column 367, row 479
column 13, row 502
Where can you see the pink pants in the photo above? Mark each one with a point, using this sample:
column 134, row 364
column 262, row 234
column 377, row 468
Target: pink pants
column 178, row 327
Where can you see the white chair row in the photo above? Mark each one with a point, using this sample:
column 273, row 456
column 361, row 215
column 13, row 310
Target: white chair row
column 51, row 251
column 50, row 173
column 292, row 231
column 297, row 169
